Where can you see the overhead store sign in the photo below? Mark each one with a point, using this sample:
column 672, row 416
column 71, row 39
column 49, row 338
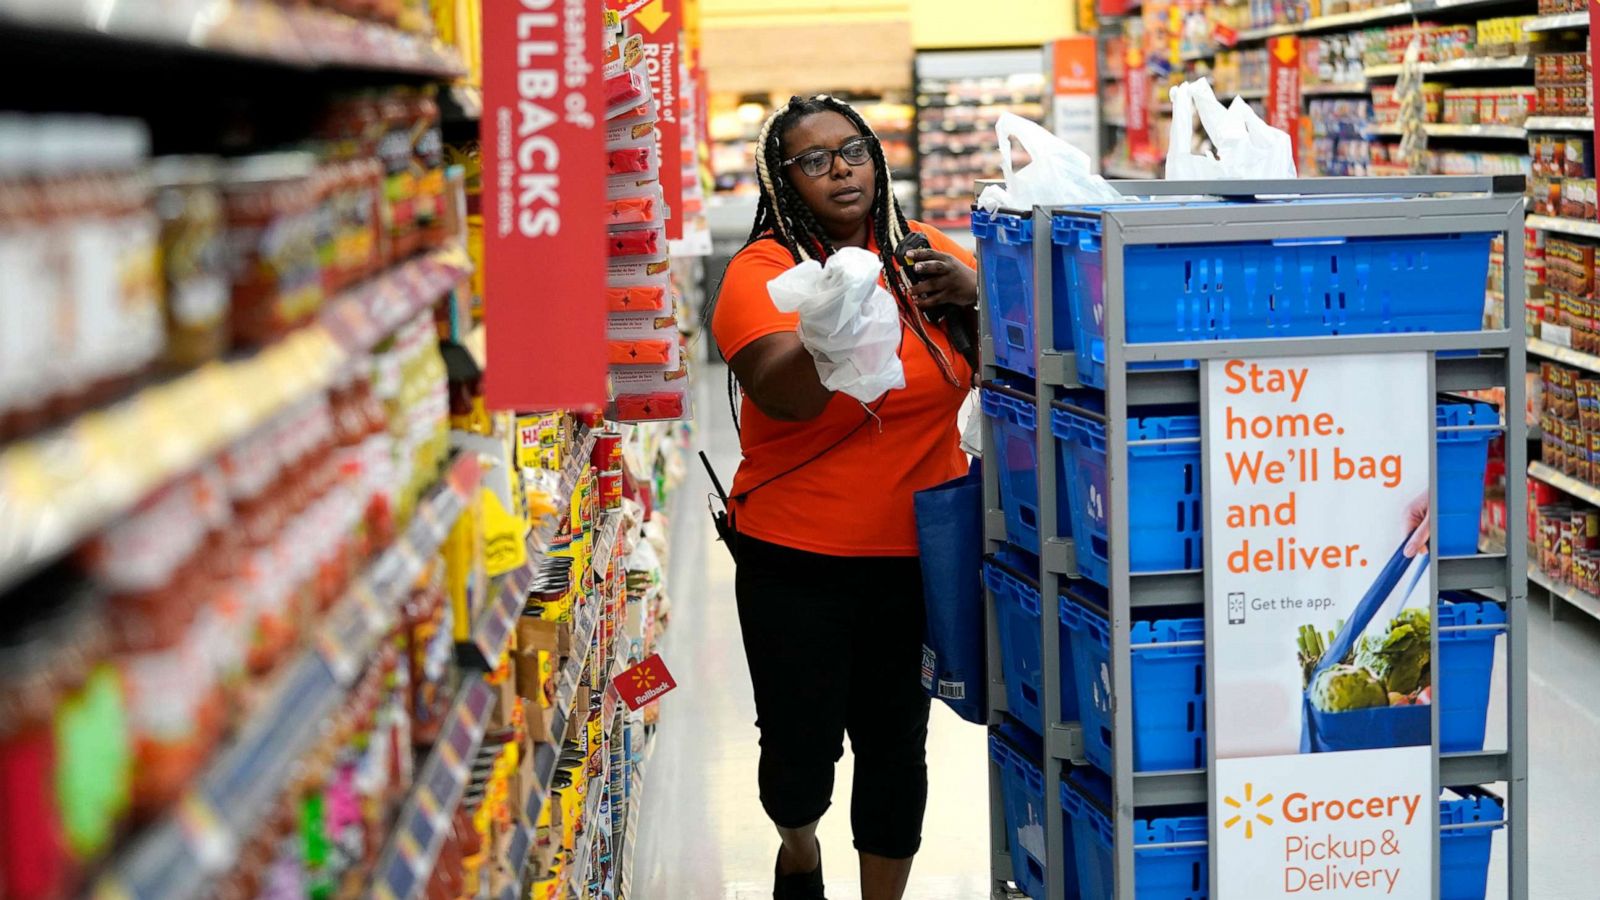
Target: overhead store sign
column 1075, row 90
column 544, row 231
column 1136, row 103
column 1319, row 606
column 660, row 23
column 1283, row 90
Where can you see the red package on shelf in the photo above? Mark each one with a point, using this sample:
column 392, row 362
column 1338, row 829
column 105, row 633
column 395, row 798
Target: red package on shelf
column 633, row 243
column 636, row 299
column 632, row 161
column 631, row 210
column 640, row 353
column 625, row 91
column 645, row 407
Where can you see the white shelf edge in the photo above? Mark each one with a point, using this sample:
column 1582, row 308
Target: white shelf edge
column 1559, row 123
column 1566, row 355
column 1484, row 64
column 1564, row 482
column 1587, row 603
column 1557, row 22
column 1564, row 225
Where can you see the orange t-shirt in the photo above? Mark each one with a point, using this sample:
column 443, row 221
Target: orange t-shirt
column 856, row 499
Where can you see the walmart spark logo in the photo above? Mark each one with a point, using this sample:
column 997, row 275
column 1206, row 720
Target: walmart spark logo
column 644, row 678
column 1250, row 811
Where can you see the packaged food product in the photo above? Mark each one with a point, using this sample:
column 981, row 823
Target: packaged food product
column 271, row 209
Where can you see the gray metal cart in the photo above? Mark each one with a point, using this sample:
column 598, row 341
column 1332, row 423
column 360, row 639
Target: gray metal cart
column 1342, row 207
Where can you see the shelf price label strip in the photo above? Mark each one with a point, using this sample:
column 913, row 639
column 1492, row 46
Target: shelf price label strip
column 419, row 832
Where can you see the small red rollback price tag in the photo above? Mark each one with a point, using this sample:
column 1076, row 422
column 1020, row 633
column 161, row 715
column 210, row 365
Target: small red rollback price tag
column 644, row 683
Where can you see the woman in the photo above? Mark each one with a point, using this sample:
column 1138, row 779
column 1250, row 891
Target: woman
column 829, row 589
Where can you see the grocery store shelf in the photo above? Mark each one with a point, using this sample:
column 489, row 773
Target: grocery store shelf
column 1114, row 121
column 293, row 35
column 1560, row 123
column 1564, row 225
column 65, row 485
column 1478, row 64
column 1354, row 87
column 1442, row 129
column 407, row 861
column 1561, row 481
column 1588, row 603
column 585, row 619
column 1391, row 13
column 200, row 838
column 583, row 848
column 1197, row 55
column 1562, row 354
column 1557, row 23
column 1259, row 94
column 491, row 632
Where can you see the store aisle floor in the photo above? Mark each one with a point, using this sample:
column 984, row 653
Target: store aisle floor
column 703, row 835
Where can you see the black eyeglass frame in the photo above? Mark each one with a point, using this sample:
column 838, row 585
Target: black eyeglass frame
column 861, row 140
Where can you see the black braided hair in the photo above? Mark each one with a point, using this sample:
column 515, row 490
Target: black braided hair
column 783, row 216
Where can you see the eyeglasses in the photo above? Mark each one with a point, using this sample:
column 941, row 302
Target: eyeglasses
column 857, row 152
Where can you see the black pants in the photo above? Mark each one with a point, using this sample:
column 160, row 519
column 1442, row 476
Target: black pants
column 835, row 647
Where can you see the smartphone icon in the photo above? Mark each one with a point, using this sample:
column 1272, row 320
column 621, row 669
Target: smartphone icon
column 1236, row 608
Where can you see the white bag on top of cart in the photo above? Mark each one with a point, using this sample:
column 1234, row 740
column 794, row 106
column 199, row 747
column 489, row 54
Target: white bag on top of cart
column 1058, row 173
column 847, row 320
column 1246, row 146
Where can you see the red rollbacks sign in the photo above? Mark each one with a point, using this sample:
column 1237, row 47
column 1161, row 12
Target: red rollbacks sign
column 660, row 23
column 1136, row 104
column 1283, row 90
column 544, row 227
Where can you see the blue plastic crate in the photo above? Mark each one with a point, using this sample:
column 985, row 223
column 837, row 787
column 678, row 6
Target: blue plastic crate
column 1005, row 253
column 1165, row 527
column 1464, row 852
column 1466, row 669
column 1018, row 612
column 1022, row 799
column 1169, row 692
column 1159, row 873
column 1014, row 448
column 1463, row 457
column 1270, row 289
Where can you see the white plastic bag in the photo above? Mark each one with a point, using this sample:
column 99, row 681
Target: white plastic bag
column 1246, row 146
column 970, row 420
column 849, row 323
column 1059, row 173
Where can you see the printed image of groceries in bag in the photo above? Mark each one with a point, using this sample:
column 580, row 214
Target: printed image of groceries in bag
column 1369, row 683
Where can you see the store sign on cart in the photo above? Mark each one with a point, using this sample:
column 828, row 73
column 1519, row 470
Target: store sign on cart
column 544, row 232
column 1319, row 604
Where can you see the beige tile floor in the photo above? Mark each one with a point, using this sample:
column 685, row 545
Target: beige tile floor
column 703, row 835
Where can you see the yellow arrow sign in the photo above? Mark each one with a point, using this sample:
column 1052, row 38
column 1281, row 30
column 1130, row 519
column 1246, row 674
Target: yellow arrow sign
column 1284, row 49
column 653, row 16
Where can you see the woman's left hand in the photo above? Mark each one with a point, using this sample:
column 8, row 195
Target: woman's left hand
column 945, row 280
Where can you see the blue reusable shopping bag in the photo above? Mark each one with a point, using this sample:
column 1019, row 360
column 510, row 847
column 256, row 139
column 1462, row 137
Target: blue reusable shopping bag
column 950, row 540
